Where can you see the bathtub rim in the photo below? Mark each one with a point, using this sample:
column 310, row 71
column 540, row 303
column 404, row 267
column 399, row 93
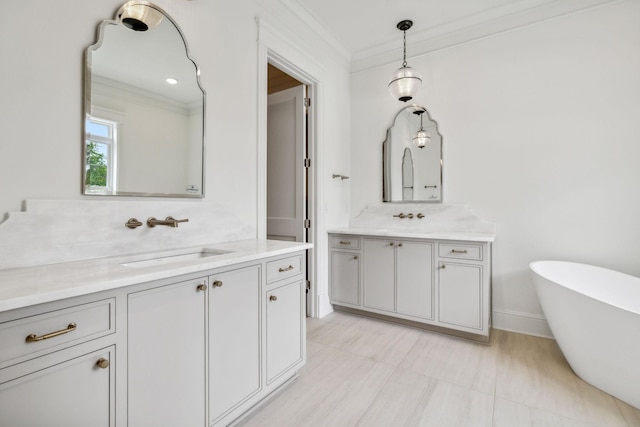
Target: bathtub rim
column 619, row 303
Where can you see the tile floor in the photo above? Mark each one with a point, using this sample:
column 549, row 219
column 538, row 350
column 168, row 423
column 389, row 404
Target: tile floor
column 366, row 372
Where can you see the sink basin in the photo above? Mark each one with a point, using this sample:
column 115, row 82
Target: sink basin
column 169, row 259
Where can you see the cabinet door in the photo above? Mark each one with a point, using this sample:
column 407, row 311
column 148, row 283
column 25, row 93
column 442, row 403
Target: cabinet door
column 166, row 356
column 414, row 279
column 285, row 317
column 379, row 274
column 59, row 391
column 460, row 294
column 234, row 345
column 345, row 277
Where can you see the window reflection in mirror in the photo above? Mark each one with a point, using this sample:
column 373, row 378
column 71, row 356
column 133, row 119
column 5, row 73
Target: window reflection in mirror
column 144, row 108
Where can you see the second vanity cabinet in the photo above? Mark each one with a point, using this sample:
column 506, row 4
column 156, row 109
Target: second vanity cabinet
column 196, row 350
column 444, row 283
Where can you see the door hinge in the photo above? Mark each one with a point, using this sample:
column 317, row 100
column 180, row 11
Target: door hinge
column 307, row 223
column 307, row 163
column 307, row 102
column 308, row 285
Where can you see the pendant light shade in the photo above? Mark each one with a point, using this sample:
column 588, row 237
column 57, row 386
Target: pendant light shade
column 406, row 81
column 421, row 139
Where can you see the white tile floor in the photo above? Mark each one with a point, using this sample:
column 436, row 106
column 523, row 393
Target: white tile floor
column 366, row 372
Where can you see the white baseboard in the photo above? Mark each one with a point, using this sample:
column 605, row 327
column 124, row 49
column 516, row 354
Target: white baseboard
column 523, row 323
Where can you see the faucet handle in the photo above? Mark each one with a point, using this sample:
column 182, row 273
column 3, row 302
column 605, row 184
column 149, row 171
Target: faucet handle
column 176, row 221
column 410, row 216
column 420, row 215
column 132, row 223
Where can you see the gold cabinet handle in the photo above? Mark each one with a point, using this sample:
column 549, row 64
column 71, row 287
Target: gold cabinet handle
column 202, row 287
column 217, row 284
column 391, row 244
column 442, row 266
column 355, row 257
column 102, row 363
column 273, row 298
column 282, row 270
column 455, row 251
column 345, row 242
column 33, row 337
column 399, row 245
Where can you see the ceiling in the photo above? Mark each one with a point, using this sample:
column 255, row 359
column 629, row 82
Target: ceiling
column 366, row 29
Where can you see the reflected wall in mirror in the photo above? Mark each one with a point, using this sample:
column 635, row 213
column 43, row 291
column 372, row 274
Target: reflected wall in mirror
column 412, row 173
column 144, row 108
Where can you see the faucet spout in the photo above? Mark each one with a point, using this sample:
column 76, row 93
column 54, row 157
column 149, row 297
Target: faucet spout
column 169, row 221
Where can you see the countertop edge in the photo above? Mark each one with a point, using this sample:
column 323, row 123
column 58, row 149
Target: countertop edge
column 49, row 283
column 433, row 235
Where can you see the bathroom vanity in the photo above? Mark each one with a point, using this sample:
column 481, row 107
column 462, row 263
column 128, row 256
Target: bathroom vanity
column 195, row 337
column 432, row 271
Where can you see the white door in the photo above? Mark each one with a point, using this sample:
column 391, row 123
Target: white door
column 286, row 136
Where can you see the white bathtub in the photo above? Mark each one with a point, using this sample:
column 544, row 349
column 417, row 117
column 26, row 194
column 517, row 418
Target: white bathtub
column 594, row 314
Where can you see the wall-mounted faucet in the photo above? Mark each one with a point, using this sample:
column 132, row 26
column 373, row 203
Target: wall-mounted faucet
column 169, row 221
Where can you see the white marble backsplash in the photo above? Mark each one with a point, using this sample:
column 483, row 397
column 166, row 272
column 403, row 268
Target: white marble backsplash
column 53, row 231
column 437, row 218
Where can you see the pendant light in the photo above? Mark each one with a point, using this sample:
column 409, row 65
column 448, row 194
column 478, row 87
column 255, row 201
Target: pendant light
column 405, row 82
column 421, row 139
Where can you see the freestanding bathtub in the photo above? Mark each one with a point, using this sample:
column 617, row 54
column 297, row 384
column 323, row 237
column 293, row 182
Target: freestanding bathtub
column 594, row 314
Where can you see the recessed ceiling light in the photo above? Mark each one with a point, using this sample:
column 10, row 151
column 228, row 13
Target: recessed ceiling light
column 171, row 81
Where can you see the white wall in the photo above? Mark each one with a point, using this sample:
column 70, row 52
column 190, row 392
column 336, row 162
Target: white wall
column 541, row 135
column 42, row 48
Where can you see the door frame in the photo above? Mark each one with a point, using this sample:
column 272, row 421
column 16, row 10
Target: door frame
column 267, row 54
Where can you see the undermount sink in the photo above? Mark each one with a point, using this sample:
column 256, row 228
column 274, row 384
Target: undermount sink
column 168, row 259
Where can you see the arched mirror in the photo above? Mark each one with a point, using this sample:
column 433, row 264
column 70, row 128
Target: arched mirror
column 144, row 108
column 412, row 158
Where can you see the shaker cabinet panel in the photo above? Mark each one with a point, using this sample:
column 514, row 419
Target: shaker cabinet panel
column 345, row 277
column 234, row 343
column 166, row 355
column 61, row 390
column 379, row 274
column 284, row 328
column 414, row 279
column 460, row 294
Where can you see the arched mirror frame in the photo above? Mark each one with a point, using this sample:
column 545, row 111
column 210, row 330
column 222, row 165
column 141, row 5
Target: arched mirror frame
column 190, row 193
column 388, row 164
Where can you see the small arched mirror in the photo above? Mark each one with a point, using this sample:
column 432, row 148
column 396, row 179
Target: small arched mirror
column 412, row 158
column 144, row 108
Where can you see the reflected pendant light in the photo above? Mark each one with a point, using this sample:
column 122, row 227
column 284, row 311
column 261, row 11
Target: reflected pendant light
column 405, row 82
column 421, row 139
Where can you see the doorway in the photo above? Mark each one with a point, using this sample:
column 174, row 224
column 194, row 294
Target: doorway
column 288, row 195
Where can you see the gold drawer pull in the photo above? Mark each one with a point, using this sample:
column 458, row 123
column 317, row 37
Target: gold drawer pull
column 282, row 270
column 455, row 251
column 33, row 337
column 345, row 242
column 217, row 284
column 201, row 287
column 273, row 298
column 102, row 363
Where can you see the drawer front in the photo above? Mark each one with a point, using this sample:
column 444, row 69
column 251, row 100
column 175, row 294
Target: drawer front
column 345, row 242
column 460, row 251
column 35, row 335
column 283, row 268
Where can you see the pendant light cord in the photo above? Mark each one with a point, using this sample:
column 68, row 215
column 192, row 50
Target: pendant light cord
column 404, row 51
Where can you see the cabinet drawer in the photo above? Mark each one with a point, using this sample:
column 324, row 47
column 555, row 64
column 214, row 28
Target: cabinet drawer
column 35, row 335
column 345, row 242
column 460, row 251
column 283, row 268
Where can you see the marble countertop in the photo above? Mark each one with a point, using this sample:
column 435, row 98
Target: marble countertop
column 418, row 234
column 22, row 287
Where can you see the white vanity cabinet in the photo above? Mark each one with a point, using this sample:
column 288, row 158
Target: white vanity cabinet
column 234, row 339
column 443, row 283
column 68, row 348
column 166, row 339
column 344, row 261
column 285, row 328
column 398, row 276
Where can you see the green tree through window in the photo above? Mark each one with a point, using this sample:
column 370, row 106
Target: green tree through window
column 96, row 166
